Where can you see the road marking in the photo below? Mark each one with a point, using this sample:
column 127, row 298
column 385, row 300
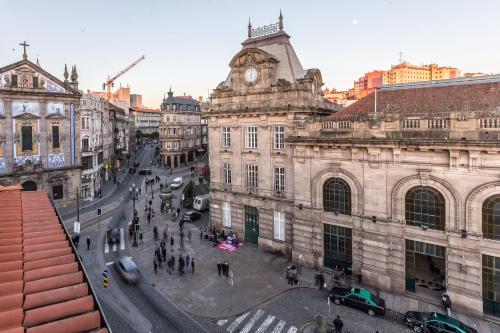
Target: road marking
column 279, row 326
column 115, row 246
column 221, row 322
column 106, row 247
column 292, row 329
column 265, row 324
column 122, row 239
column 236, row 322
column 110, row 263
column 252, row 321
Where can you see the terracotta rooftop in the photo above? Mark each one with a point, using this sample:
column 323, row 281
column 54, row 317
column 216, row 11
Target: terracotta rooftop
column 42, row 287
column 440, row 98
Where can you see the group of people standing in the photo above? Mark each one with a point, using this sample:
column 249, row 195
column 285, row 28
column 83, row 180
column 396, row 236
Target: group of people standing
column 184, row 263
column 292, row 275
column 223, row 267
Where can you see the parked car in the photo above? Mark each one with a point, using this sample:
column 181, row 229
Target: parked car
column 145, row 172
column 176, row 183
column 358, row 298
column 191, row 216
column 128, row 270
column 113, row 236
column 434, row 322
column 132, row 170
column 201, row 202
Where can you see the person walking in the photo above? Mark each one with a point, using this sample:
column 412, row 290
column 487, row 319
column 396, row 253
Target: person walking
column 164, row 253
column 338, row 324
column 181, row 264
column 172, row 264
column 172, row 243
column 149, row 218
column 219, row 266
column 155, row 233
column 88, row 243
column 155, row 266
column 192, row 266
column 165, row 232
column 201, row 234
column 188, row 258
column 189, row 236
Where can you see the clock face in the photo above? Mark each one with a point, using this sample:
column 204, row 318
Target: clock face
column 251, row 75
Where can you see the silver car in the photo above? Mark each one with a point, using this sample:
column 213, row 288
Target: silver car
column 128, row 270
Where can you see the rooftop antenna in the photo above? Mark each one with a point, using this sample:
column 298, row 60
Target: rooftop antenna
column 400, row 57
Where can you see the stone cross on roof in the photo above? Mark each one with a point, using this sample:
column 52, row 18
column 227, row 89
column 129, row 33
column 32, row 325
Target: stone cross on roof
column 24, row 44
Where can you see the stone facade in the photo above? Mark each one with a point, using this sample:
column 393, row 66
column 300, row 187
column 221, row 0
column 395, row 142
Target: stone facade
column 400, row 189
column 180, row 130
column 92, row 133
column 145, row 120
column 39, row 130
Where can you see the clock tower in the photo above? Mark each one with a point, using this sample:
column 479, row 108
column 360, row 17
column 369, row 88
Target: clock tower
column 267, row 97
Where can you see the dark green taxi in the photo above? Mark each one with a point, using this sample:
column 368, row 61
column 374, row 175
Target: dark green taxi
column 358, row 298
column 433, row 322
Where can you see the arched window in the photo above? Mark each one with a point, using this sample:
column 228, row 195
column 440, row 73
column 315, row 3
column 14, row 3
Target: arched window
column 337, row 196
column 491, row 217
column 425, row 208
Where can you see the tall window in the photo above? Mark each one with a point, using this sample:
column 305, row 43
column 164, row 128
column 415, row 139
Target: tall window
column 26, row 138
column 226, row 136
column 226, row 170
column 87, row 162
column 55, row 137
column 337, row 196
column 279, row 181
column 279, row 137
column 491, row 285
column 226, row 214
column 279, row 226
column 85, row 144
column 425, row 208
column 251, row 137
column 491, row 217
column 252, row 172
column 14, row 80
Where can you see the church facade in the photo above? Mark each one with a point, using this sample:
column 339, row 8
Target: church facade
column 39, row 129
column 400, row 189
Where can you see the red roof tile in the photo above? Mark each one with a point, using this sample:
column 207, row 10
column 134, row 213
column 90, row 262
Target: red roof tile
column 42, row 288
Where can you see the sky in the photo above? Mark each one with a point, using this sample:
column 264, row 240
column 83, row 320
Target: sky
column 188, row 44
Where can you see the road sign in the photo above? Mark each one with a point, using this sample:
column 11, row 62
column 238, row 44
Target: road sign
column 76, row 228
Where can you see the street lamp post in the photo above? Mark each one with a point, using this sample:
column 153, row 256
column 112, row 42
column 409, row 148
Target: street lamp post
column 134, row 193
column 300, row 257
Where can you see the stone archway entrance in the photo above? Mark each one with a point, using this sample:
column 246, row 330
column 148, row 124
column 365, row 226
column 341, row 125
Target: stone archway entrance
column 425, row 271
column 29, row 186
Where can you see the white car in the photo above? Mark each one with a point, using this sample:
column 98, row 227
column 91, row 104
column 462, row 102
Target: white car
column 176, row 183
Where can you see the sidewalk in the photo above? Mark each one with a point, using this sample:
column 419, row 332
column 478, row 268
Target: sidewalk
column 258, row 277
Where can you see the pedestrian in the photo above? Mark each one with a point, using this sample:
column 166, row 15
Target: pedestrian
column 164, row 253
column 155, row 266
column 178, row 211
column 227, row 269
column 155, row 232
column 188, row 258
column 338, row 324
column 192, row 266
column 289, row 275
column 149, row 218
column 181, row 264
column 88, row 243
column 219, row 266
column 201, row 234
column 189, row 236
column 140, row 190
column 172, row 243
column 224, row 267
column 172, row 263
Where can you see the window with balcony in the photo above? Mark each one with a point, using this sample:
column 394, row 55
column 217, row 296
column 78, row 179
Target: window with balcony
column 85, row 144
column 251, row 137
column 279, row 181
column 226, row 173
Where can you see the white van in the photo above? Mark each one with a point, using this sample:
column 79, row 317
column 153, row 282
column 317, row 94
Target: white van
column 176, row 183
column 201, row 202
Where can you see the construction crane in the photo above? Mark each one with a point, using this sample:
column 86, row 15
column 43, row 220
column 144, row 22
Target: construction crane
column 110, row 82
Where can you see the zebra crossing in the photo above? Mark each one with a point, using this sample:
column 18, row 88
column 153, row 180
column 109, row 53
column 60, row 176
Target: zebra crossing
column 114, row 247
column 256, row 323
